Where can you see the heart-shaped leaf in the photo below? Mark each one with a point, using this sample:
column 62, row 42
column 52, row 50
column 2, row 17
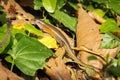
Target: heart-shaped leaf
column 29, row 54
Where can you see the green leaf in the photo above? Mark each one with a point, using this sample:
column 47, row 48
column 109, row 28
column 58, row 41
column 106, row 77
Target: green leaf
column 49, row 5
column 109, row 26
column 9, row 59
column 1, row 7
column 14, row 31
column 32, row 29
column 29, row 55
column 100, row 12
column 118, row 58
column 118, row 55
column 100, row 1
column 112, row 4
column 118, row 63
column 115, row 71
column 110, row 41
column 37, row 4
column 3, row 18
column 108, row 58
column 60, row 3
column 115, row 68
column 65, row 19
column 114, row 62
column 88, row 7
column 75, row 6
column 89, row 58
column 115, row 5
column 3, row 30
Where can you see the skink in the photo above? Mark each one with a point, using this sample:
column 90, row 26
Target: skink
column 53, row 31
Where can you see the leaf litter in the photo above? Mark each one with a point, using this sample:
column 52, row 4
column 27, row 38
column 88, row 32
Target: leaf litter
column 87, row 35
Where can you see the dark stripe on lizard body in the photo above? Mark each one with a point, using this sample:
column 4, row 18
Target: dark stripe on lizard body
column 52, row 30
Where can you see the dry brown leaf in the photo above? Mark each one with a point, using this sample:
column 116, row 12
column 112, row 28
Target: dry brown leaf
column 118, row 19
column 88, row 36
column 14, row 10
column 56, row 68
column 5, row 74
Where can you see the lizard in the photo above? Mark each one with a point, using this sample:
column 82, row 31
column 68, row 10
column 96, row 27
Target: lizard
column 54, row 32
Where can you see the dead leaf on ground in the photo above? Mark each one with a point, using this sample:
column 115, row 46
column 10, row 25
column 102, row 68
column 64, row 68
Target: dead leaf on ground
column 56, row 68
column 5, row 74
column 88, row 35
column 16, row 12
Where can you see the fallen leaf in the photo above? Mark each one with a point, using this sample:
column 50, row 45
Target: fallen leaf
column 56, row 67
column 16, row 9
column 5, row 74
column 48, row 41
column 19, row 26
column 88, row 35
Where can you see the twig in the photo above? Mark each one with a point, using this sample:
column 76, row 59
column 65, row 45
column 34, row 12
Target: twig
column 7, row 34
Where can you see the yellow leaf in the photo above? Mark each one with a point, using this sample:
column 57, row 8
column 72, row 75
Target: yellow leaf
column 19, row 26
column 48, row 41
column 118, row 78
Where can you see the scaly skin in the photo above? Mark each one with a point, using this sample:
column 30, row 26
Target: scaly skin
column 53, row 31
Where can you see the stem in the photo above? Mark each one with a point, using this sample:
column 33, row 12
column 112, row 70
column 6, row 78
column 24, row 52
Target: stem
column 6, row 35
column 12, row 65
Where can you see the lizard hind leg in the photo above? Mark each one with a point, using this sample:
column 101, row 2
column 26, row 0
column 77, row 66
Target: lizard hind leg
column 83, row 48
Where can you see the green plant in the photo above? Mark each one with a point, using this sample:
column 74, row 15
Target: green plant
column 23, row 50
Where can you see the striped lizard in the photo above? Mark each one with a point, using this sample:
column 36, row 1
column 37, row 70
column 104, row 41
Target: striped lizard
column 53, row 31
